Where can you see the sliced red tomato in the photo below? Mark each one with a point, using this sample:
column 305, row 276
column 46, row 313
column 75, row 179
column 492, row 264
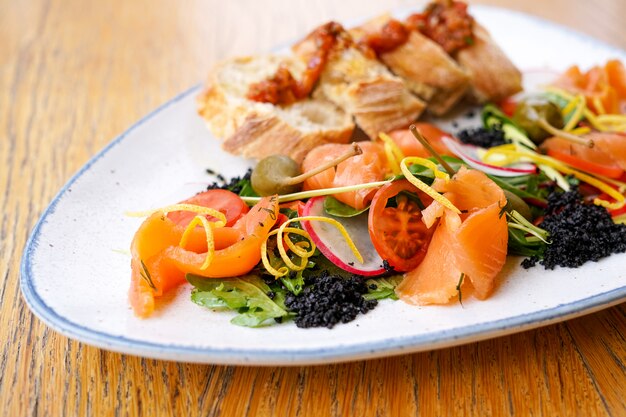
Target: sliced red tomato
column 508, row 106
column 225, row 201
column 398, row 233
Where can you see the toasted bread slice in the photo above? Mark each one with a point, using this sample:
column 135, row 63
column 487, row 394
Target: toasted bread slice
column 256, row 130
column 494, row 77
column 425, row 67
column 363, row 87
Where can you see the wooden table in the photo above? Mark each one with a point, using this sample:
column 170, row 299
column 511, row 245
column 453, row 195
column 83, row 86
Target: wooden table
column 74, row 74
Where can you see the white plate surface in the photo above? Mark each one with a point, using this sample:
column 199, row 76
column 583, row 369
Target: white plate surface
column 75, row 279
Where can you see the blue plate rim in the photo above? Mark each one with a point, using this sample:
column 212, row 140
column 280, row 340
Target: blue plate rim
column 395, row 345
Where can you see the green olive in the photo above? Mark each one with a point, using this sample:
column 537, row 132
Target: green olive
column 529, row 112
column 271, row 176
column 513, row 202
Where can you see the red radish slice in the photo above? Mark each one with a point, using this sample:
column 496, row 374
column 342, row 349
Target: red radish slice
column 333, row 245
column 469, row 154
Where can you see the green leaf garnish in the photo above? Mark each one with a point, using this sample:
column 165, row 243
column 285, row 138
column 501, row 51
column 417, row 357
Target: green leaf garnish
column 525, row 238
column 381, row 288
column 248, row 295
column 335, row 207
column 458, row 288
column 145, row 274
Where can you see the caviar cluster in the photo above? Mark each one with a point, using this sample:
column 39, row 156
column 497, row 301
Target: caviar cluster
column 328, row 300
column 579, row 232
column 234, row 184
column 485, row 138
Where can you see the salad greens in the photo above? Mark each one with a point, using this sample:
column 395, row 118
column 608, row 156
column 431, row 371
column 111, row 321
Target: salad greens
column 247, row 295
column 336, row 208
column 381, row 288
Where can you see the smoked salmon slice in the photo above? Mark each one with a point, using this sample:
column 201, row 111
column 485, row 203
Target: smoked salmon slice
column 609, row 148
column 159, row 262
column 603, row 87
column 473, row 243
column 412, row 147
column 370, row 166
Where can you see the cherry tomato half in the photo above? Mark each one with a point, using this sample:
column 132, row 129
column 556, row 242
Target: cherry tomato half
column 398, row 233
column 225, row 201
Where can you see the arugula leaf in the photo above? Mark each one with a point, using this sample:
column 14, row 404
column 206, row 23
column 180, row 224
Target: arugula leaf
column 393, row 202
column 247, row 190
column 525, row 186
column 335, row 207
column 248, row 295
column 426, row 174
column 381, row 288
column 295, row 284
column 523, row 245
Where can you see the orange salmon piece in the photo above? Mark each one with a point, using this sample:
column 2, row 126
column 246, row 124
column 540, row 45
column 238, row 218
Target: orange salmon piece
column 370, row 166
column 473, row 243
column 412, row 147
column 159, row 264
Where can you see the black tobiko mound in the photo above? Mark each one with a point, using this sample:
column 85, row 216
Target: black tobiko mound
column 328, row 300
column 579, row 232
column 485, row 138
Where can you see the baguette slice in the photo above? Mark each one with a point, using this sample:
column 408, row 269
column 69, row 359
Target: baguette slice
column 363, row 87
column 494, row 77
column 256, row 130
column 426, row 68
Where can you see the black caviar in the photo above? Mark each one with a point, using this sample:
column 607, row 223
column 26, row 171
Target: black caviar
column 328, row 300
column 485, row 138
column 579, row 232
column 234, row 184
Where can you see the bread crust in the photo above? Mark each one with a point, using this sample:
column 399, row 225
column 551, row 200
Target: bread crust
column 493, row 76
column 363, row 87
column 426, row 68
column 256, row 130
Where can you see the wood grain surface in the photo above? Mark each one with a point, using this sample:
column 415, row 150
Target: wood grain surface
column 75, row 73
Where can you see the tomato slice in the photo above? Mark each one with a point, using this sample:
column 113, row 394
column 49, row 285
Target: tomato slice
column 398, row 233
column 225, row 201
column 508, row 106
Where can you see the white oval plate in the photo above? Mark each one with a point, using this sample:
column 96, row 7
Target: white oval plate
column 75, row 278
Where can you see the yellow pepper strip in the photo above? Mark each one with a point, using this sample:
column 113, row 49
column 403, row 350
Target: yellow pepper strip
column 620, row 219
column 335, row 223
column 571, row 105
column 577, row 115
column 555, row 176
column 184, row 207
column 424, row 187
column 608, row 205
column 430, row 164
column 612, row 118
column 579, row 131
column 210, row 241
column 594, row 121
column 393, row 152
column 621, row 186
column 280, row 272
column 502, row 155
column 297, row 248
column 599, row 106
column 586, row 112
column 551, row 162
